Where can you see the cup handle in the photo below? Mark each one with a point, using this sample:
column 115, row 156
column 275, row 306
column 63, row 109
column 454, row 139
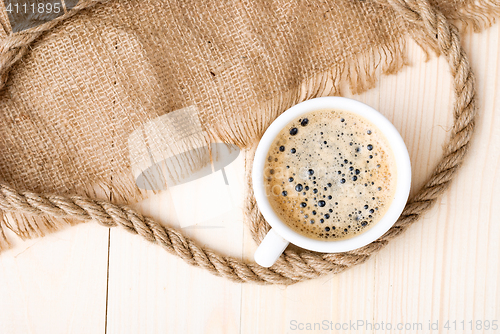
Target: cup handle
column 270, row 249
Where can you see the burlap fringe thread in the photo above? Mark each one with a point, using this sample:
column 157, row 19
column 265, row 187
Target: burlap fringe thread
column 34, row 215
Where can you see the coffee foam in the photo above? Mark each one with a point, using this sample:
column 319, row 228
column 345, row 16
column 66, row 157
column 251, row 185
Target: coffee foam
column 330, row 174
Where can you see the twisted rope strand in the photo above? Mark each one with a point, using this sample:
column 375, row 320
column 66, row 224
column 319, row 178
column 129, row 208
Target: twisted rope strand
column 15, row 46
column 292, row 266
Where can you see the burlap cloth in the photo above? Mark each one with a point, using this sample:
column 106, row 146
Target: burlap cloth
column 75, row 89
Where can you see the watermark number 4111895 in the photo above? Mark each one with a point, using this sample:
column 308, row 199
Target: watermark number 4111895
column 26, row 14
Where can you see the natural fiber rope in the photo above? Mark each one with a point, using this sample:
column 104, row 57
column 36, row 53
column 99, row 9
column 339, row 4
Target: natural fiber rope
column 15, row 46
column 292, row 266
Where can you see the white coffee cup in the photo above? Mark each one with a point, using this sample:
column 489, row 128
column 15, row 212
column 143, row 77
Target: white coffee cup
column 280, row 234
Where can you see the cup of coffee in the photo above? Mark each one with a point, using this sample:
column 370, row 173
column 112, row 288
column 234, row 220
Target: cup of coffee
column 330, row 174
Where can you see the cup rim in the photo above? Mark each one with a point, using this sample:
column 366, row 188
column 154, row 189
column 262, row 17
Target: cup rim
column 403, row 179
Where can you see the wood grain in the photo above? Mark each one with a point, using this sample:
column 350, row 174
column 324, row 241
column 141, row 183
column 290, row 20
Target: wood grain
column 56, row 284
column 444, row 268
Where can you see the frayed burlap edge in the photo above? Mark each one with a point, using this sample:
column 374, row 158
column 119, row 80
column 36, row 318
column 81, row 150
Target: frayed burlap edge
column 292, row 266
column 358, row 74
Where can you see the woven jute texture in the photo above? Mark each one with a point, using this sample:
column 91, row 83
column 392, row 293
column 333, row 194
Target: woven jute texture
column 86, row 98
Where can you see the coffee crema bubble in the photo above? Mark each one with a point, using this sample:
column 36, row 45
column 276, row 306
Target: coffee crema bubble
column 330, row 174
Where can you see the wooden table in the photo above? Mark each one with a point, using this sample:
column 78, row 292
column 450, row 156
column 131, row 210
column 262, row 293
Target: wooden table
column 443, row 271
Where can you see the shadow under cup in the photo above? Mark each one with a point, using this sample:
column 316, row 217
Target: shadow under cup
column 281, row 234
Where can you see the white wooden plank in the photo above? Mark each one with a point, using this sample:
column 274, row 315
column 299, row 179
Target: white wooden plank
column 55, row 284
column 445, row 267
column 151, row 291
